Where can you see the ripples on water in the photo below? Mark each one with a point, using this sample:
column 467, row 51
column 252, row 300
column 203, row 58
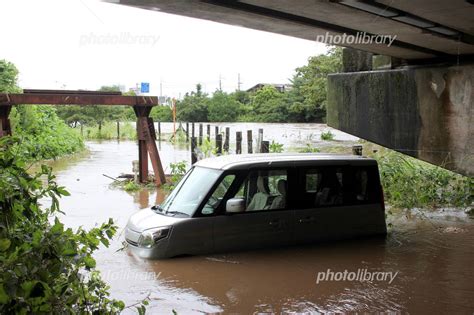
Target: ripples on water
column 434, row 257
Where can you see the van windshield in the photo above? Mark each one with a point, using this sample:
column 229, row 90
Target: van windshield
column 190, row 191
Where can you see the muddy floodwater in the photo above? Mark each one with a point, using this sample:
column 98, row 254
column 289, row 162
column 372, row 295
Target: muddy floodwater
column 425, row 265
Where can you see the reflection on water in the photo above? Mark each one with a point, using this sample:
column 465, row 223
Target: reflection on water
column 433, row 257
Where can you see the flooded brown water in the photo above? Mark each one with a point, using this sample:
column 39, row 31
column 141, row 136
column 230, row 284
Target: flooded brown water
column 431, row 256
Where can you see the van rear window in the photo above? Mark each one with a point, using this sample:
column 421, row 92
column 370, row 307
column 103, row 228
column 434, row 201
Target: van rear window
column 339, row 186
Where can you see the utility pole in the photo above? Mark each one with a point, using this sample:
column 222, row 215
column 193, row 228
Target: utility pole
column 239, row 83
column 220, row 82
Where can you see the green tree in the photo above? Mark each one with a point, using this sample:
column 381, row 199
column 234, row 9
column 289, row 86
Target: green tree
column 223, row 107
column 194, row 106
column 308, row 96
column 161, row 113
column 8, row 77
column 270, row 105
column 43, row 135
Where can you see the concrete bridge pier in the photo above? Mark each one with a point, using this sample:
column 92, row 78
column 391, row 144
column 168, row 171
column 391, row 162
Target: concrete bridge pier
column 423, row 111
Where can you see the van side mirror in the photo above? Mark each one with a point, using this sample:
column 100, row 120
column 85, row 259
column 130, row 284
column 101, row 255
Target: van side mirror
column 235, row 205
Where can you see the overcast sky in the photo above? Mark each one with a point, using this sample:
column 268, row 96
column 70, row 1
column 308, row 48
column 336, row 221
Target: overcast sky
column 84, row 44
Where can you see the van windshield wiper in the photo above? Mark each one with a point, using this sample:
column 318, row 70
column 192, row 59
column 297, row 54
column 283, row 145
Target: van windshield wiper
column 157, row 207
column 176, row 212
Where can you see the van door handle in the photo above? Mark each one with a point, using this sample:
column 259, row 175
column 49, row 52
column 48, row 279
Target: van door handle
column 307, row 220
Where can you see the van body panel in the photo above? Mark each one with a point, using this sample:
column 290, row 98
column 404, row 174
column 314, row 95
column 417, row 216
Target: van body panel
column 253, row 230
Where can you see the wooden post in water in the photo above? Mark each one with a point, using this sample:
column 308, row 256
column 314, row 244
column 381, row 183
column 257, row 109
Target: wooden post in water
column 200, row 134
column 249, row 142
column 208, row 132
column 219, row 144
column 159, row 132
column 187, row 132
column 238, row 147
column 193, row 150
column 227, row 139
column 118, row 130
column 265, row 147
column 259, row 140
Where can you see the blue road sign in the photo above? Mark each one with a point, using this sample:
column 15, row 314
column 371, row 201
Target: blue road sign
column 145, row 87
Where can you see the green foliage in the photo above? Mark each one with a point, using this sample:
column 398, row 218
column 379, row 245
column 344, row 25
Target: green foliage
column 41, row 261
column 223, row 107
column 194, row 106
column 178, row 170
column 309, row 149
column 131, row 186
column 43, row 135
column 8, row 77
column 410, row 183
column 327, row 135
column 269, row 105
column 207, row 149
column 308, row 97
column 162, row 113
column 275, row 147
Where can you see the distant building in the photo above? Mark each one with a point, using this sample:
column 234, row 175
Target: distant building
column 279, row 87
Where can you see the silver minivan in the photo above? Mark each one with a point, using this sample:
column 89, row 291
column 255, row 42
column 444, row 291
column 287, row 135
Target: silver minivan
column 240, row 202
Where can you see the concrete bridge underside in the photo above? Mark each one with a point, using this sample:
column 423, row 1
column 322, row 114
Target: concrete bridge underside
column 419, row 102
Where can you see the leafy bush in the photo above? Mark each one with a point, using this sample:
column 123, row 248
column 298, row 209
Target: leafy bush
column 178, row 170
column 131, row 186
column 43, row 135
column 41, row 262
column 327, row 135
column 275, row 147
column 412, row 183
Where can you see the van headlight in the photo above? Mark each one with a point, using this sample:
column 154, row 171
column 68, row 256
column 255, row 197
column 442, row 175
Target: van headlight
column 149, row 237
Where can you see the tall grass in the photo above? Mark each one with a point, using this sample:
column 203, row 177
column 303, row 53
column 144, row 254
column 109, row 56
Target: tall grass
column 109, row 131
column 410, row 183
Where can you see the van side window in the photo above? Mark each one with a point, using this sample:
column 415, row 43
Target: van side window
column 330, row 190
column 216, row 198
column 313, row 178
column 339, row 186
column 265, row 190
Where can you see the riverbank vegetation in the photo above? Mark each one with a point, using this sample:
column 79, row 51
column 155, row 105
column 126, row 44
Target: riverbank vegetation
column 43, row 135
column 45, row 267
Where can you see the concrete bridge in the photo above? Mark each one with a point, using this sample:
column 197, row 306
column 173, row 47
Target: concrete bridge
column 412, row 93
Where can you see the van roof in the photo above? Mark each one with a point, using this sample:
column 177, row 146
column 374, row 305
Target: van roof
column 244, row 161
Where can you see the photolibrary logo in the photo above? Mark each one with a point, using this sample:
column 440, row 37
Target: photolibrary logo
column 360, row 275
column 123, row 38
column 361, row 38
column 125, row 275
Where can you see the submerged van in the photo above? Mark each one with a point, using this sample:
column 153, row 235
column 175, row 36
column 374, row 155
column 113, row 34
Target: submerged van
column 240, row 202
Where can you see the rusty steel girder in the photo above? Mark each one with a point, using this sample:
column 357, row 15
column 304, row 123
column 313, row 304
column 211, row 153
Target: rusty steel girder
column 76, row 99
